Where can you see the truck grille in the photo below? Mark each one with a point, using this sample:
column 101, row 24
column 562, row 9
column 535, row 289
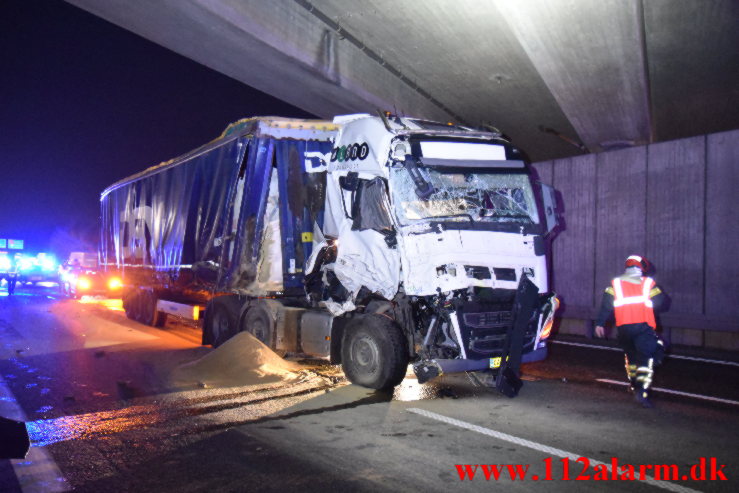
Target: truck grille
column 488, row 319
column 484, row 332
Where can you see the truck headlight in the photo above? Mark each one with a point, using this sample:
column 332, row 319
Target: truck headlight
column 114, row 283
column 546, row 330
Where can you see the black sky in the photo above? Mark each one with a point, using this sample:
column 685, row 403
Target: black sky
column 84, row 103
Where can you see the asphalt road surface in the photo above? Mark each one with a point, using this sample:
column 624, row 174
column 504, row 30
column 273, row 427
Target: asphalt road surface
column 104, row 414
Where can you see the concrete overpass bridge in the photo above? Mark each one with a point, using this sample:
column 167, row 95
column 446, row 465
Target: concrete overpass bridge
column 654, row 81
column 560, row 77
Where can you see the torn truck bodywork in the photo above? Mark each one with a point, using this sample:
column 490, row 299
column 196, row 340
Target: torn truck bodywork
column 227, row 217
column 369, row 241
column 453, row 229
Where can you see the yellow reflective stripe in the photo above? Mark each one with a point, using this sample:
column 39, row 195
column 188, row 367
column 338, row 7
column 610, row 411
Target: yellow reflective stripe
column 654, row 292
column 609, row 290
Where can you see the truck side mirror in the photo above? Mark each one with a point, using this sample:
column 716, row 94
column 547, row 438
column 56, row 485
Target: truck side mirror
column 550, row 206
column 350, row 182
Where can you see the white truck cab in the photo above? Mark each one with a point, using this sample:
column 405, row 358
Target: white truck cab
column 432, row 228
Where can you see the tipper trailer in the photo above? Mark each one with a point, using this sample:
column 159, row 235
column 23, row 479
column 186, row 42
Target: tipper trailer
column 372, row 241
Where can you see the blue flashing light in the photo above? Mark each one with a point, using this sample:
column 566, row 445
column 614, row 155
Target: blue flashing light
column 25, row 264
column 48, row 264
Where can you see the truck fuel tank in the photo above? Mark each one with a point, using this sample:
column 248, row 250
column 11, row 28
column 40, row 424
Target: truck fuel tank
column 315, row 331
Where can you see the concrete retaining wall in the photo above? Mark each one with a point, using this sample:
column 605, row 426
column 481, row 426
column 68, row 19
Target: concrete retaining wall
column 674, row 202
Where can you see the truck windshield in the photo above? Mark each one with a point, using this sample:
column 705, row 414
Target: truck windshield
column 465, row 196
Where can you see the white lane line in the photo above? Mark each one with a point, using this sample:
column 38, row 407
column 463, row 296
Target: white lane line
column 37, row 473
column 704, row 360
column 676, row 392
column 545, row 449
column 671, row 356
column 607, row 348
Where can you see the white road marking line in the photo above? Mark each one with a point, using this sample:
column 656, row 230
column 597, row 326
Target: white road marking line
column 693, row 358
column 37, row 473
column 676, row 392
column 546, row 449
column 671, row 356
column 592, row 346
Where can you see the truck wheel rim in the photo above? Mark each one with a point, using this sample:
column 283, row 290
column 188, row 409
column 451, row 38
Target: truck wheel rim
column 366, row 354
column 220, row 324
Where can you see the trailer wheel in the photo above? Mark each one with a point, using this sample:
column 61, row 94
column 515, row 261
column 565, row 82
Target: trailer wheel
column 131, row 305
column 258, row 323
column 374, row 353
column 221, row 317
column 148, row 314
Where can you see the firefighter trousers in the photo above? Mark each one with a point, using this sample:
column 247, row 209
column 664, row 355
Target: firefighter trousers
column 640, row 345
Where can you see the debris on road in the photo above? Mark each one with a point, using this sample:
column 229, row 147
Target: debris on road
column 242, row 360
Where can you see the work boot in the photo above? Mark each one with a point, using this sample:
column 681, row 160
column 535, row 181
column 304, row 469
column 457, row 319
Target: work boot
column 642, row 397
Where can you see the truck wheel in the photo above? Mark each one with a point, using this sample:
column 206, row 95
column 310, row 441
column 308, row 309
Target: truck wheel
column 130, row 304
column 148, row 314
column 374, row 353
column 258, row 323
column 160, row 320
column 221, row 316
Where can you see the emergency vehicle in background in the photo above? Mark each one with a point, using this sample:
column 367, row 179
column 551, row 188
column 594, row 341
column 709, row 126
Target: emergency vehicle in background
column 10, row 259
column 33, row 269
column 6, row 265
column 373, row 241
column 81, row 275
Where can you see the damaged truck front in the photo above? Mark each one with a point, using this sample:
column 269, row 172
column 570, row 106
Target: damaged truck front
column 433, row 251
column 370, row 241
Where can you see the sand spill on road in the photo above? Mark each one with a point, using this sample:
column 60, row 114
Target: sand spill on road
column 242, row 360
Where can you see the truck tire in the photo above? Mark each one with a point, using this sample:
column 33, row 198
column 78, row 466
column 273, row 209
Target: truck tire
column 374, row 353
column 258, row 323
column 221, row 320
column 148, row 314
column 131, row 304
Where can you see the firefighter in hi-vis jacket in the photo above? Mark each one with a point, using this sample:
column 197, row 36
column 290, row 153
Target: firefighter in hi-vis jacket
column 633, row 298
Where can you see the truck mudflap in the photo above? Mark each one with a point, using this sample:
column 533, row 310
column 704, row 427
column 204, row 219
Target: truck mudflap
column 507, row 365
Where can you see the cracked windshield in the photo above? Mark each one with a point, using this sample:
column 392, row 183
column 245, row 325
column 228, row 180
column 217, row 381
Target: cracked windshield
column 476, row 197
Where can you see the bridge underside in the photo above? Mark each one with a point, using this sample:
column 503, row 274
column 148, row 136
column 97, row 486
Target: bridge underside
column 604, row 74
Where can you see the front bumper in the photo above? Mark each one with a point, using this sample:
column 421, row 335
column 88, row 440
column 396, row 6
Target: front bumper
column 536, row 355
column 428, row 369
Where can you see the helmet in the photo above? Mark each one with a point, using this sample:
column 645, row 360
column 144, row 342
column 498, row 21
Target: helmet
column 638, row 261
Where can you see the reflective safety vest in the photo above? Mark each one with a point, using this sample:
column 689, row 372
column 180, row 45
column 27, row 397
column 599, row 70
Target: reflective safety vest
column 631, row 302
